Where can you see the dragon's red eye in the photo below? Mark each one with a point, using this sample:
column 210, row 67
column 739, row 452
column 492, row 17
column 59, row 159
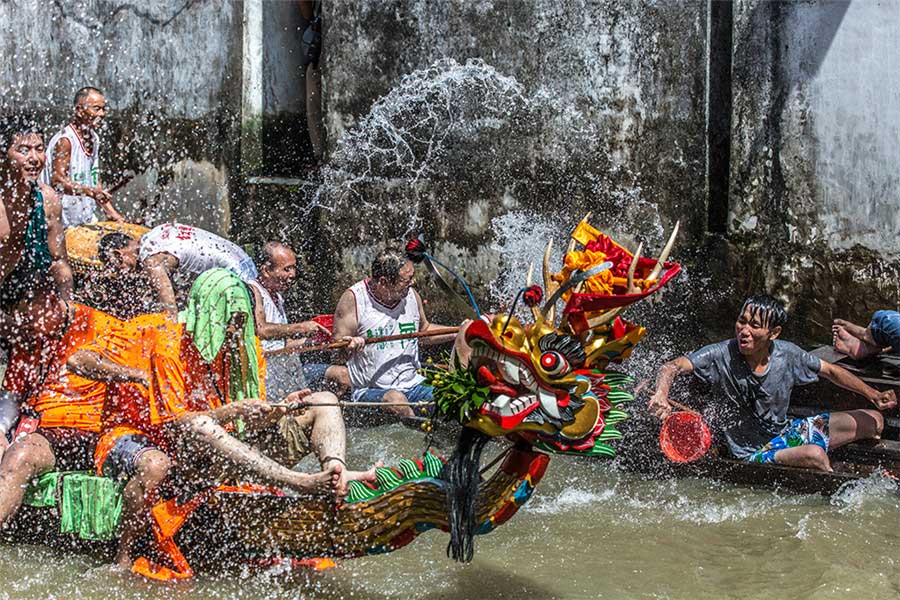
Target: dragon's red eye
column 554, row 363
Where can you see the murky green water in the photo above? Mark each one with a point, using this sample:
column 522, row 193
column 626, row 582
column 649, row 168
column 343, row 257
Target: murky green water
column 591, row 531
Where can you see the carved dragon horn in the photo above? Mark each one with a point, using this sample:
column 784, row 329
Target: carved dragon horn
column 550, row 286
column 633, row 266
column 664, row 255
column 535, row 310
column 571, row 245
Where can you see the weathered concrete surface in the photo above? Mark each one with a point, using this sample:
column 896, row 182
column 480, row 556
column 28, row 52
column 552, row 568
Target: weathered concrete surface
column 171, row 73
column 814, row 182
column 613, row 120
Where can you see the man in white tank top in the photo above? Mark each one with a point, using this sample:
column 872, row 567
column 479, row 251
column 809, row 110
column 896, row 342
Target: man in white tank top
column 277, row 266
column 73, row 162
column 174, row 251
column 385, row 304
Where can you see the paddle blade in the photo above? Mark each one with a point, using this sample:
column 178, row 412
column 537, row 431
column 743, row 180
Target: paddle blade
column 684, row 437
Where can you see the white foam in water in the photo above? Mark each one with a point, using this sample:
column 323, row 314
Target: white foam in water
column 568, row 499
column 854, row 494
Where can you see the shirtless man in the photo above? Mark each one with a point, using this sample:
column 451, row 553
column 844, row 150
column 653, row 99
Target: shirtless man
column 171, row 393
column 755, row 372
column 385, row 304
column 73, row 166
column 32, row 239
column 173, row 251
column 277, row 265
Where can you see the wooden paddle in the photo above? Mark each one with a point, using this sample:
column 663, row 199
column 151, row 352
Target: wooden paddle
column 372, row 340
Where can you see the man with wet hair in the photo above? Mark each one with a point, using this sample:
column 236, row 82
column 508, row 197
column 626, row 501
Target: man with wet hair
column 73, row 166
column 756, row 372
column 32, row 239
column 277, row 266
column 385, row 304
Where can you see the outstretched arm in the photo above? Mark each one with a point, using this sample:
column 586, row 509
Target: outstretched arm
column 279, row 331
column 159, row 268
column 56, row 243
column 425, row 325
column 93, row 365
column 659, row 402
column 843, row 378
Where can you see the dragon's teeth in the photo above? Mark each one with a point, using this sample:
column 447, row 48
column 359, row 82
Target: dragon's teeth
column 548, row 403
column 510, row 371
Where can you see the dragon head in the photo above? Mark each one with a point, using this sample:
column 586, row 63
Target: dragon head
column 549, row 382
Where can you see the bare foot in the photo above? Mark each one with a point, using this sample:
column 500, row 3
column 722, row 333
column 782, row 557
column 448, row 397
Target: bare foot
column 843, row 341
column 852, row 328
column 325, row 480
column 849, row 343
column 346, row 476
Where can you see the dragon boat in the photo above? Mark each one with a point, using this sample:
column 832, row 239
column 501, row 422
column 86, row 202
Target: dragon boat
column 545, row 384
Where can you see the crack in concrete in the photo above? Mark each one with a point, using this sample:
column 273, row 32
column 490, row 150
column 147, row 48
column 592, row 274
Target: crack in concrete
column 105, row 19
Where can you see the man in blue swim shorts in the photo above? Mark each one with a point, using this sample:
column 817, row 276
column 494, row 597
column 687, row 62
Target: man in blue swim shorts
column 756, row 372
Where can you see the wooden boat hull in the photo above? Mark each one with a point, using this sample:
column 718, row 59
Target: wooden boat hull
column 232, row 528
column 263, row 525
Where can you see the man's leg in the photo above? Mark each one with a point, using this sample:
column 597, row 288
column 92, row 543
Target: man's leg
column 808, row 456
column 328, row 438
column 849, row 426
column 396, row 402
column 150, row 468
column 337, row 380
column 202, row 434
column 23, row 461
column 828, row 431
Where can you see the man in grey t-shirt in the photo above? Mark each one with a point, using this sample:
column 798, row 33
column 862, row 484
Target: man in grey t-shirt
column 756, row 372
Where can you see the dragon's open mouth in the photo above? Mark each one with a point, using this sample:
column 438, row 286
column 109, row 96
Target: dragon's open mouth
column 516, row 391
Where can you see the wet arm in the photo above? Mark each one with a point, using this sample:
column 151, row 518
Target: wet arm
column 59, row 178
column 93, row 365
column 845, row 379
column 426, row 325
column 659, row 402
column 159, row 268
column 56, row 244
column 346, row 323
column 279, row 331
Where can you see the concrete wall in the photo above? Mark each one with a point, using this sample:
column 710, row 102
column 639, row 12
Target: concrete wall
column 171, row 73
column 574, row 106
column 814, row 180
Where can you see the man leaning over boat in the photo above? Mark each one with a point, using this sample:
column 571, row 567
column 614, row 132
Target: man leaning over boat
column 756, row 372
